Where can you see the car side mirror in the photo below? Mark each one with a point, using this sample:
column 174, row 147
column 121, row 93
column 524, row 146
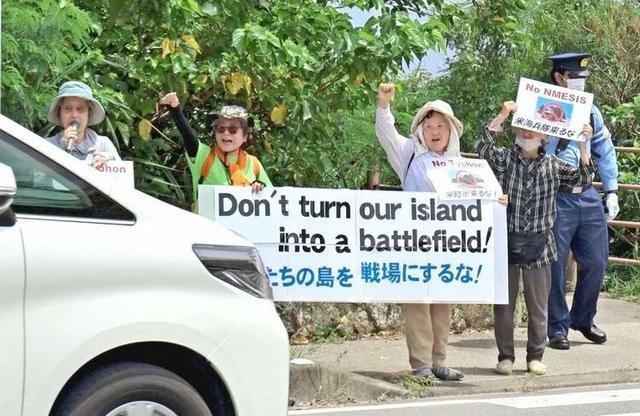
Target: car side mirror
column 7, row 188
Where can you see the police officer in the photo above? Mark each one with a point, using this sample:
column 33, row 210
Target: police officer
column 581, row 225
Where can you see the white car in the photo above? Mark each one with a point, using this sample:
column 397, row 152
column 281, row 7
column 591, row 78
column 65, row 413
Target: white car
column 113, row 303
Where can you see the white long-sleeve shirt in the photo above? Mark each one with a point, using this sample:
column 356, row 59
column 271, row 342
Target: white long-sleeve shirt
column 399, row 151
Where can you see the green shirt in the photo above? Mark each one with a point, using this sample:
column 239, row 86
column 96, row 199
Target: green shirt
column 218, row 174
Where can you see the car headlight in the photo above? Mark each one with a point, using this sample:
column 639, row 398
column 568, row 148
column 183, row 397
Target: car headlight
column 241, row 267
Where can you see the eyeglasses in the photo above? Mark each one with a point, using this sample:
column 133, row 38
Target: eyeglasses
column 220, row 129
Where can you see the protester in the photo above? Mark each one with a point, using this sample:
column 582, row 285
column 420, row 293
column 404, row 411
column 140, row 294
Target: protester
column 531, row 178
column 435, row 134
column 74, row 109
column 581, row 225
column 226, row 162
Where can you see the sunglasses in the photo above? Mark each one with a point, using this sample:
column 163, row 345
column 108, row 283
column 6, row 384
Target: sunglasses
column 231, row 129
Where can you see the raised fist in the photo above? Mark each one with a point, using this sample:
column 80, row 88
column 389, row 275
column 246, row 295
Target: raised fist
column 385, row 94
column 170, row 99
column 508, row 107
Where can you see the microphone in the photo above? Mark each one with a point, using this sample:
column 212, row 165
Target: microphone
column 75, row 126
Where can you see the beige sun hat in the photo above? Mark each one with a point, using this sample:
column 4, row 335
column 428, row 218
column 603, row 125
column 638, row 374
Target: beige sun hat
column 80, row 90
column 455, row 126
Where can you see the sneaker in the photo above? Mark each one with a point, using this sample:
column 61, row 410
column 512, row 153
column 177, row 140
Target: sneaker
column 536, row 367
column 504, row 367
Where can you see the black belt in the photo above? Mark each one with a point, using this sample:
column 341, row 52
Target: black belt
column 573, row 190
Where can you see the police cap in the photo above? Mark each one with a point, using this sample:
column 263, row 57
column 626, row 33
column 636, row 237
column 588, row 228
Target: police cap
column 574, row 63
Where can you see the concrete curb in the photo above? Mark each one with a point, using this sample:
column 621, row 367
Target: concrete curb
column 311, row 383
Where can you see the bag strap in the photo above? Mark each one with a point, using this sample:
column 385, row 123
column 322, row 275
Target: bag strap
column 406, row 172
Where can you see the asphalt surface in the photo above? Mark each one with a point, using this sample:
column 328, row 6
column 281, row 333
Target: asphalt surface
column 584, row 401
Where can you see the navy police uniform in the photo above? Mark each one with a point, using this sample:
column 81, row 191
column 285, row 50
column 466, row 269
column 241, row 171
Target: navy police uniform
column 581, row 224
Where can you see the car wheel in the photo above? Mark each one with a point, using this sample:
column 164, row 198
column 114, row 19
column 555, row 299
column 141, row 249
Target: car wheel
column 132, row 389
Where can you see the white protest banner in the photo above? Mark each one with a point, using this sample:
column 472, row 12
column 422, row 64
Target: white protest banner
column 463, row 179
column 339, row 245
column 119, row 170
column 551, row 109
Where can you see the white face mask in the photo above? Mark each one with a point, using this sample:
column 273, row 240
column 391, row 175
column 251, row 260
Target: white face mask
column 576, row 84
column 528, row 144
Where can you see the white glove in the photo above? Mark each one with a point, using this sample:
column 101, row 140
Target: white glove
column 612, row 206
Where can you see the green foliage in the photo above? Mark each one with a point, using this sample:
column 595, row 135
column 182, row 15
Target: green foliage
column 318, row 63
column 357, row 151
column 495, row 45
column 42, row 43
column 418, row 7
column 307, row 74
column 624, row 281
column 625, row 242
column 497, row 42
column 325, row 333
column 358, row 132
column 297, row 66
column 624, row 120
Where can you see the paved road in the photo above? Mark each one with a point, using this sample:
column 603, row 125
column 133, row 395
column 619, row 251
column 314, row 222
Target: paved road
column 594, row 401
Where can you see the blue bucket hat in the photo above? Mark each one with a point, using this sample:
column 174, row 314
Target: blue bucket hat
column 80, row 90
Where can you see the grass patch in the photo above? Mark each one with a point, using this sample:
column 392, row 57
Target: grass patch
column 301, row 351
column 623, row 282
column 418, row 386
column 326, row 333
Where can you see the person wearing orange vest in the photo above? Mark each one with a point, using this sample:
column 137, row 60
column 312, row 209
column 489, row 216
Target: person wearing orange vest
column 226, row 162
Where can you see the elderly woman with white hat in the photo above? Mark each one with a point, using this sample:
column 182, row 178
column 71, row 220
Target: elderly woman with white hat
column 435, row 133
column 74, row 109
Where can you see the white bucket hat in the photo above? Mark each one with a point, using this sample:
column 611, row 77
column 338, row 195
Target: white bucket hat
column 455, row 126
column 80, row 90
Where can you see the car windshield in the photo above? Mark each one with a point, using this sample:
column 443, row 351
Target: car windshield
column 46, row 188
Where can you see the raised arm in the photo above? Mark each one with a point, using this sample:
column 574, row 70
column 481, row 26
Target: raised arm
column 399, row 149
column 485, row 144
column 188, row 135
